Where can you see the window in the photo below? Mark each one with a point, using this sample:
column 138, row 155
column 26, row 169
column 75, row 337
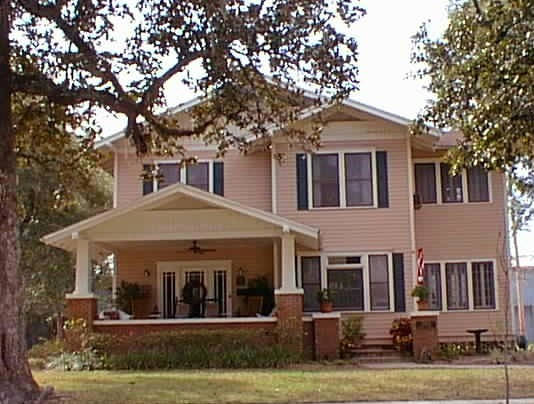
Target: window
column 425, row 182
column 198, row 175
column 477, row 184
column 457, row 295
column 379, row 282
column 483, row 285
column 358, row 179
column 325, row 174
column 451, row 185
column 341, row 180
column 432, row 281
column 168, row 173
column 311, row 281
column 346, row 286
column 205, row 175
column 341, row 260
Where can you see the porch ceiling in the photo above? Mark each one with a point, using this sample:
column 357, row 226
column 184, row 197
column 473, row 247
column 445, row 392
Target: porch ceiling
column 181, row 213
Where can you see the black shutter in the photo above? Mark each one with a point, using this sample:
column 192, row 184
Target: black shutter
column 382, row 174
column 218, row 178
column 148, row 183
column 302, row 182
column 398, row 279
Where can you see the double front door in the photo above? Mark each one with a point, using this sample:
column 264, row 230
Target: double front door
column 211, row 280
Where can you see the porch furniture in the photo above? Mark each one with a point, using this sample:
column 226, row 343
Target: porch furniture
column 212, row 309
column 254, row 305
column 477, row 333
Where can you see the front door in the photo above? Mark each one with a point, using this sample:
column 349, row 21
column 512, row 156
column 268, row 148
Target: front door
column 213, row 275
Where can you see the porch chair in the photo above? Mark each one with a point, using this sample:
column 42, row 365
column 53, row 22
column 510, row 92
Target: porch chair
column 254, row 305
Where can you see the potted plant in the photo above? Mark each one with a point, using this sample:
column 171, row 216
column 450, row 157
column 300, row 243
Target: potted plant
column 421, row 292
column 325, row 301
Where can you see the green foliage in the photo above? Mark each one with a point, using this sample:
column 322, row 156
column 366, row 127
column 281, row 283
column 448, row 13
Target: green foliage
column 352, row 334
column 127, row 294
column 46, row 349
column 193, row 349
column 324, row 296
column 421, row 292
column 481, row 73
column 86, row 359
column 401, row 333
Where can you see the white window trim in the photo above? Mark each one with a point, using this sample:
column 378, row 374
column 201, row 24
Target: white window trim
column 341, row 176
column 364, row 264
column 470, row 290
column 183, row 172
column 465, row 189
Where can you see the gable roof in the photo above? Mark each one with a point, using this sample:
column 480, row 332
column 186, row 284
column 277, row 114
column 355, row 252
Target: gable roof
column 63, row 238
column 306, row 113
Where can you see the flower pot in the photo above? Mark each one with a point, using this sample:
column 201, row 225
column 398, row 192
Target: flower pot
column 422, row 305
column 326, row 307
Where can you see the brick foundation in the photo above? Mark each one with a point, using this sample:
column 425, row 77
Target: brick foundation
column 289, row 312
column 326, row 335
column 85, row 308
column 425, row 335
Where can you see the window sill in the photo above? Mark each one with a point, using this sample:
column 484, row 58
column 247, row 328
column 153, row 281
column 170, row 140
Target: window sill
column 342, row 208
column 455, row 203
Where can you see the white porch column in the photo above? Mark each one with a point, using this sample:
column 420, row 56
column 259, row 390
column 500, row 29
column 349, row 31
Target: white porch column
column 82, row 283
column 288, row 277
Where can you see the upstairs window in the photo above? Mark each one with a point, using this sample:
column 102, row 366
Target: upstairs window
column 425, row 182
column 358, row 179
column 434, row 184
column 477, row 184
column 325, row 174
column 205, row 175
column 451, row 185
column 343, row 179
column 198, row 175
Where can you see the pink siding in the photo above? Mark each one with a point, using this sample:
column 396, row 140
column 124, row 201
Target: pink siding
column 247, row 178
column 355, row 229
column 132, row 262
column 466, row 231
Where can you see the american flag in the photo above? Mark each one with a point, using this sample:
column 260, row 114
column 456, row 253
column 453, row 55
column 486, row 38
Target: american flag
column 420, row 266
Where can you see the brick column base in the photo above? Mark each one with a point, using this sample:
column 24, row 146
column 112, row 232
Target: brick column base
column 425, row 335
column 326, row 335
column 289, row 312
column 84, row 307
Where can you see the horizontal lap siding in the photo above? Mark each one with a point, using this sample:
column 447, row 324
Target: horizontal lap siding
column 132, row 263
column 466, row 231
column 355, row 229
column 247, row 178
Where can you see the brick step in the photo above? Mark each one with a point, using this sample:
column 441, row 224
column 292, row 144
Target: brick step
column 373, row 352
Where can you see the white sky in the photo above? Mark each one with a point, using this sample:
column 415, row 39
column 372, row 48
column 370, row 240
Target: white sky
column 384, row 37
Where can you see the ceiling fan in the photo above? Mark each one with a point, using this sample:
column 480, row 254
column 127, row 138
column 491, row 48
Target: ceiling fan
column 196, row 249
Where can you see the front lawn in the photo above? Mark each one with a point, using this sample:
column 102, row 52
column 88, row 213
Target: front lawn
column 282, row 386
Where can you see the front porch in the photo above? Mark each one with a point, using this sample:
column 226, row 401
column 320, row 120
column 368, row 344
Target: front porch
column 179, row 235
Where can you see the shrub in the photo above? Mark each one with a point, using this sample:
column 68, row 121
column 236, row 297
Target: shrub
column 353, row 336
column 46, row 349
column 401, row 333
column 87, row 359
column 193, row 349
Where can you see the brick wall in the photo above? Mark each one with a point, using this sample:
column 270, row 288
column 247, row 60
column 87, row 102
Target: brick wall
column 326, row 335
column 82, row 308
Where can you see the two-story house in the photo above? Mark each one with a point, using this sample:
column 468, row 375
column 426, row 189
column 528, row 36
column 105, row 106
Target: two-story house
column 348, row 217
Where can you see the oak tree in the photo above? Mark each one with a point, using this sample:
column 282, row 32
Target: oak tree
column 119, row 55
column 481, row 73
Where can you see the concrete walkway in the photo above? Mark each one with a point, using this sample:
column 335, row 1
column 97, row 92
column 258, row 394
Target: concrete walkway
column 512, row 401
column 413, row 365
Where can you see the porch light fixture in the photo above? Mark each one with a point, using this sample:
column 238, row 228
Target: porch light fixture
column 147, row 273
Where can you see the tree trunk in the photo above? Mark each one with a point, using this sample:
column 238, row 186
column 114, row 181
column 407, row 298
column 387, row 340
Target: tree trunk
column 16, row 381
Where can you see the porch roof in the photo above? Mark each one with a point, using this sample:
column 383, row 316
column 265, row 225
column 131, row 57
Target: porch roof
column 181, row 212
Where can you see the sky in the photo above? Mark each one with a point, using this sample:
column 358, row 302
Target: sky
column 384, row 37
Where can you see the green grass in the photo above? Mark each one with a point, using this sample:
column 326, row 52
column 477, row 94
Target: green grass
column 315, row 384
